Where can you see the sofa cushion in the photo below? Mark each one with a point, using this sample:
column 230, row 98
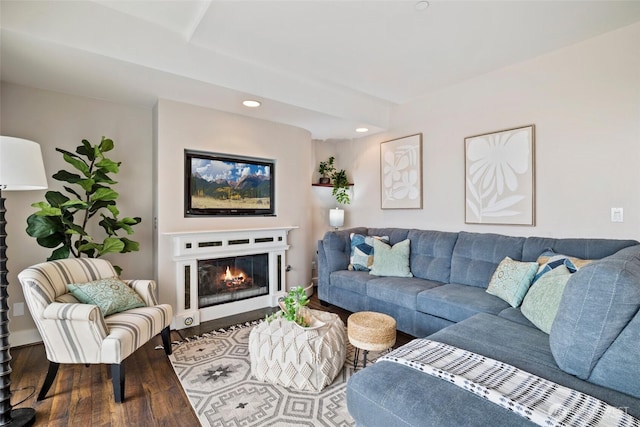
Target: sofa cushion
column 515, row 315
column 431, row 254
column 395, row 234
column 391, row 260
column 401, row 291
column 581, row 248
column 619, row 366
column 525, row 348
column 354, row 281
column 337, row 247
column 541, row 303
column 362, row 253
column 457, row 302
column 476, row 256
column 393, row 395
column 511, row 280
column 598, row 303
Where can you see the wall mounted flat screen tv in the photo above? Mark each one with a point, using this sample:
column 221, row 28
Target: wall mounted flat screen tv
column 228, row 185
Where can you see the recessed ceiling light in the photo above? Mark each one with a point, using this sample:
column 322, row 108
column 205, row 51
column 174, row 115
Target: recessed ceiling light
column 422, row 5
column 251, row 103
column 362, row 130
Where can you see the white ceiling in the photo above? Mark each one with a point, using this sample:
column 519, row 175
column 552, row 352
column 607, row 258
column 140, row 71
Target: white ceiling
column 326, row 66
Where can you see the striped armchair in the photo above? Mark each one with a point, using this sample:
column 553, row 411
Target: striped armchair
column 78, row 333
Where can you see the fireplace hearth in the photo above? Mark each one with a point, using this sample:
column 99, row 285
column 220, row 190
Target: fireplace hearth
column 222, row 273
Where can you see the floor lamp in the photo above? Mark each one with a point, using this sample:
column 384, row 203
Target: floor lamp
column 21, row 168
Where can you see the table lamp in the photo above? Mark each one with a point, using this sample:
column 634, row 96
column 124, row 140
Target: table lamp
column 336, row 218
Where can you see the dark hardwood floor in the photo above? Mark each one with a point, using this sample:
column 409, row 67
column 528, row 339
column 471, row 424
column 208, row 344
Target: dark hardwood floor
column 83, row 396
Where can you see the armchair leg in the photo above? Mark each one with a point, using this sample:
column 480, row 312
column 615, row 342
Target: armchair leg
column 166, row 340
column 117, row 378
column 51, row 375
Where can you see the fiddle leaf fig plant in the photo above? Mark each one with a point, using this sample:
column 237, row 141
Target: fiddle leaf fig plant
column 62, row 220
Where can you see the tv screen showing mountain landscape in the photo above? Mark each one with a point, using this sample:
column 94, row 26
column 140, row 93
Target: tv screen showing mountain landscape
column 228, row 185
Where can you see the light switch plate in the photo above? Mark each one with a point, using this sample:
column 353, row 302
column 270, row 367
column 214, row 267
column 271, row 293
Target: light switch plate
column 617, row 215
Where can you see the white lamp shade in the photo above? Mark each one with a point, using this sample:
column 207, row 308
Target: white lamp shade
column 336, row 217
column 21, row 165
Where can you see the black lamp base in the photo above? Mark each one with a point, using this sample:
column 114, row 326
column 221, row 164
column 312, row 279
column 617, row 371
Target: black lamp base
column 22, row 417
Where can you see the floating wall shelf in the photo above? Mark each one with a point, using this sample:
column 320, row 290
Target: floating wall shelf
column 327, row 185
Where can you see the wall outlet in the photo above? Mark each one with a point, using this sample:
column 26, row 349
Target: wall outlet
column 617, row 215
column 187, row 319
column 18, row 309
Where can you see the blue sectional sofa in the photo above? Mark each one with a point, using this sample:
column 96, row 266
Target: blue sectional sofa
column 593, row 345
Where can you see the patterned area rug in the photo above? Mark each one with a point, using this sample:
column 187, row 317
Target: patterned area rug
column 215, row 372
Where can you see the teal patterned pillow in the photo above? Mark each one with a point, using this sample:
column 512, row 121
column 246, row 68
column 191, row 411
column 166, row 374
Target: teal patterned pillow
column 511, row 280
column 111, row 295
column 362, row 251
column 391, row 260
column 541, row 303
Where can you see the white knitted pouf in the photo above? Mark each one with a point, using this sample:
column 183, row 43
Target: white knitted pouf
column 283, row 353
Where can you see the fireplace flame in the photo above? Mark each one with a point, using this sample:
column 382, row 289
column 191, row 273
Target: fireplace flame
column 227, row 275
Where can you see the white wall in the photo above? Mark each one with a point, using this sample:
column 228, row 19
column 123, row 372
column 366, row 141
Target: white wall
column 585, row 103
column 181, row 126
column 57, row 120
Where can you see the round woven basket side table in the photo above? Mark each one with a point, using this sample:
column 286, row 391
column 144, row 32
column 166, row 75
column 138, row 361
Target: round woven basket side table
column 370, row 331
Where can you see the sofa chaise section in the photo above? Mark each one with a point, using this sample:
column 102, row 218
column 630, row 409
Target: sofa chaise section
column 592, row 347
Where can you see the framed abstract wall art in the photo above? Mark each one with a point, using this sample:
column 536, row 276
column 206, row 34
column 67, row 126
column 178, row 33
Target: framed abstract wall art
column 500, row 177
column 401, row 173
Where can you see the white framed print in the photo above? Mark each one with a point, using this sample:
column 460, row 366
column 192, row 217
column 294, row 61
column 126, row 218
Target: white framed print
column 401, row 173
column 500, row 177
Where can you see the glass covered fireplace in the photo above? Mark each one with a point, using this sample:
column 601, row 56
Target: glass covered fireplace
column 229, row 279
column 227, row 272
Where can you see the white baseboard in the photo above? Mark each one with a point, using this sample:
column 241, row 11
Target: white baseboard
column 29, row 336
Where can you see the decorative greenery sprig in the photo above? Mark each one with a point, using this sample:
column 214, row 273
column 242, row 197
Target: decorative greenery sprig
column 341, row 187
column 292, row 303
column 62, row 221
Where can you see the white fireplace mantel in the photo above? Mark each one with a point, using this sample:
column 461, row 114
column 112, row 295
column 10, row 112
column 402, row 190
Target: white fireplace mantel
column 191, row 246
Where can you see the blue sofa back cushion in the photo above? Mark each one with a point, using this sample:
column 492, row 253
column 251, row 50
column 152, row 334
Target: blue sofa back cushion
column 477, row 255
column 431, row 254
column 594, row 318
column 395, row 234
column 579, row 248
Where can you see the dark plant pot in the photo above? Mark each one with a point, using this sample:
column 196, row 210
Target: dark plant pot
column 324, row 180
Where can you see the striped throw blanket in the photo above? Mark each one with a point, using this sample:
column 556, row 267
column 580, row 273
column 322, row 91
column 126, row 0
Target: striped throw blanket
column 539, row 400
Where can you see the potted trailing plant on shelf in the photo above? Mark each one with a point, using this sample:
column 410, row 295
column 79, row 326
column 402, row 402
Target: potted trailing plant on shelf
column 326, row 169
column 62, row 222
column 293, row 307
column 339, row 179
column 341, row 187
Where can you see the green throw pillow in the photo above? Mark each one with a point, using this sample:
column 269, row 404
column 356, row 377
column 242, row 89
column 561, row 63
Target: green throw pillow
column 511, row 280
column 391, row 261
column 541, row 304
column 111, row 295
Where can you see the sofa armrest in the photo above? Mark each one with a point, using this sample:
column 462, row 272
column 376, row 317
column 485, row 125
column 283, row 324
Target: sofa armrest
column 146, row 289
column 72, row 311
column 73, row 332
column 334, row 251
